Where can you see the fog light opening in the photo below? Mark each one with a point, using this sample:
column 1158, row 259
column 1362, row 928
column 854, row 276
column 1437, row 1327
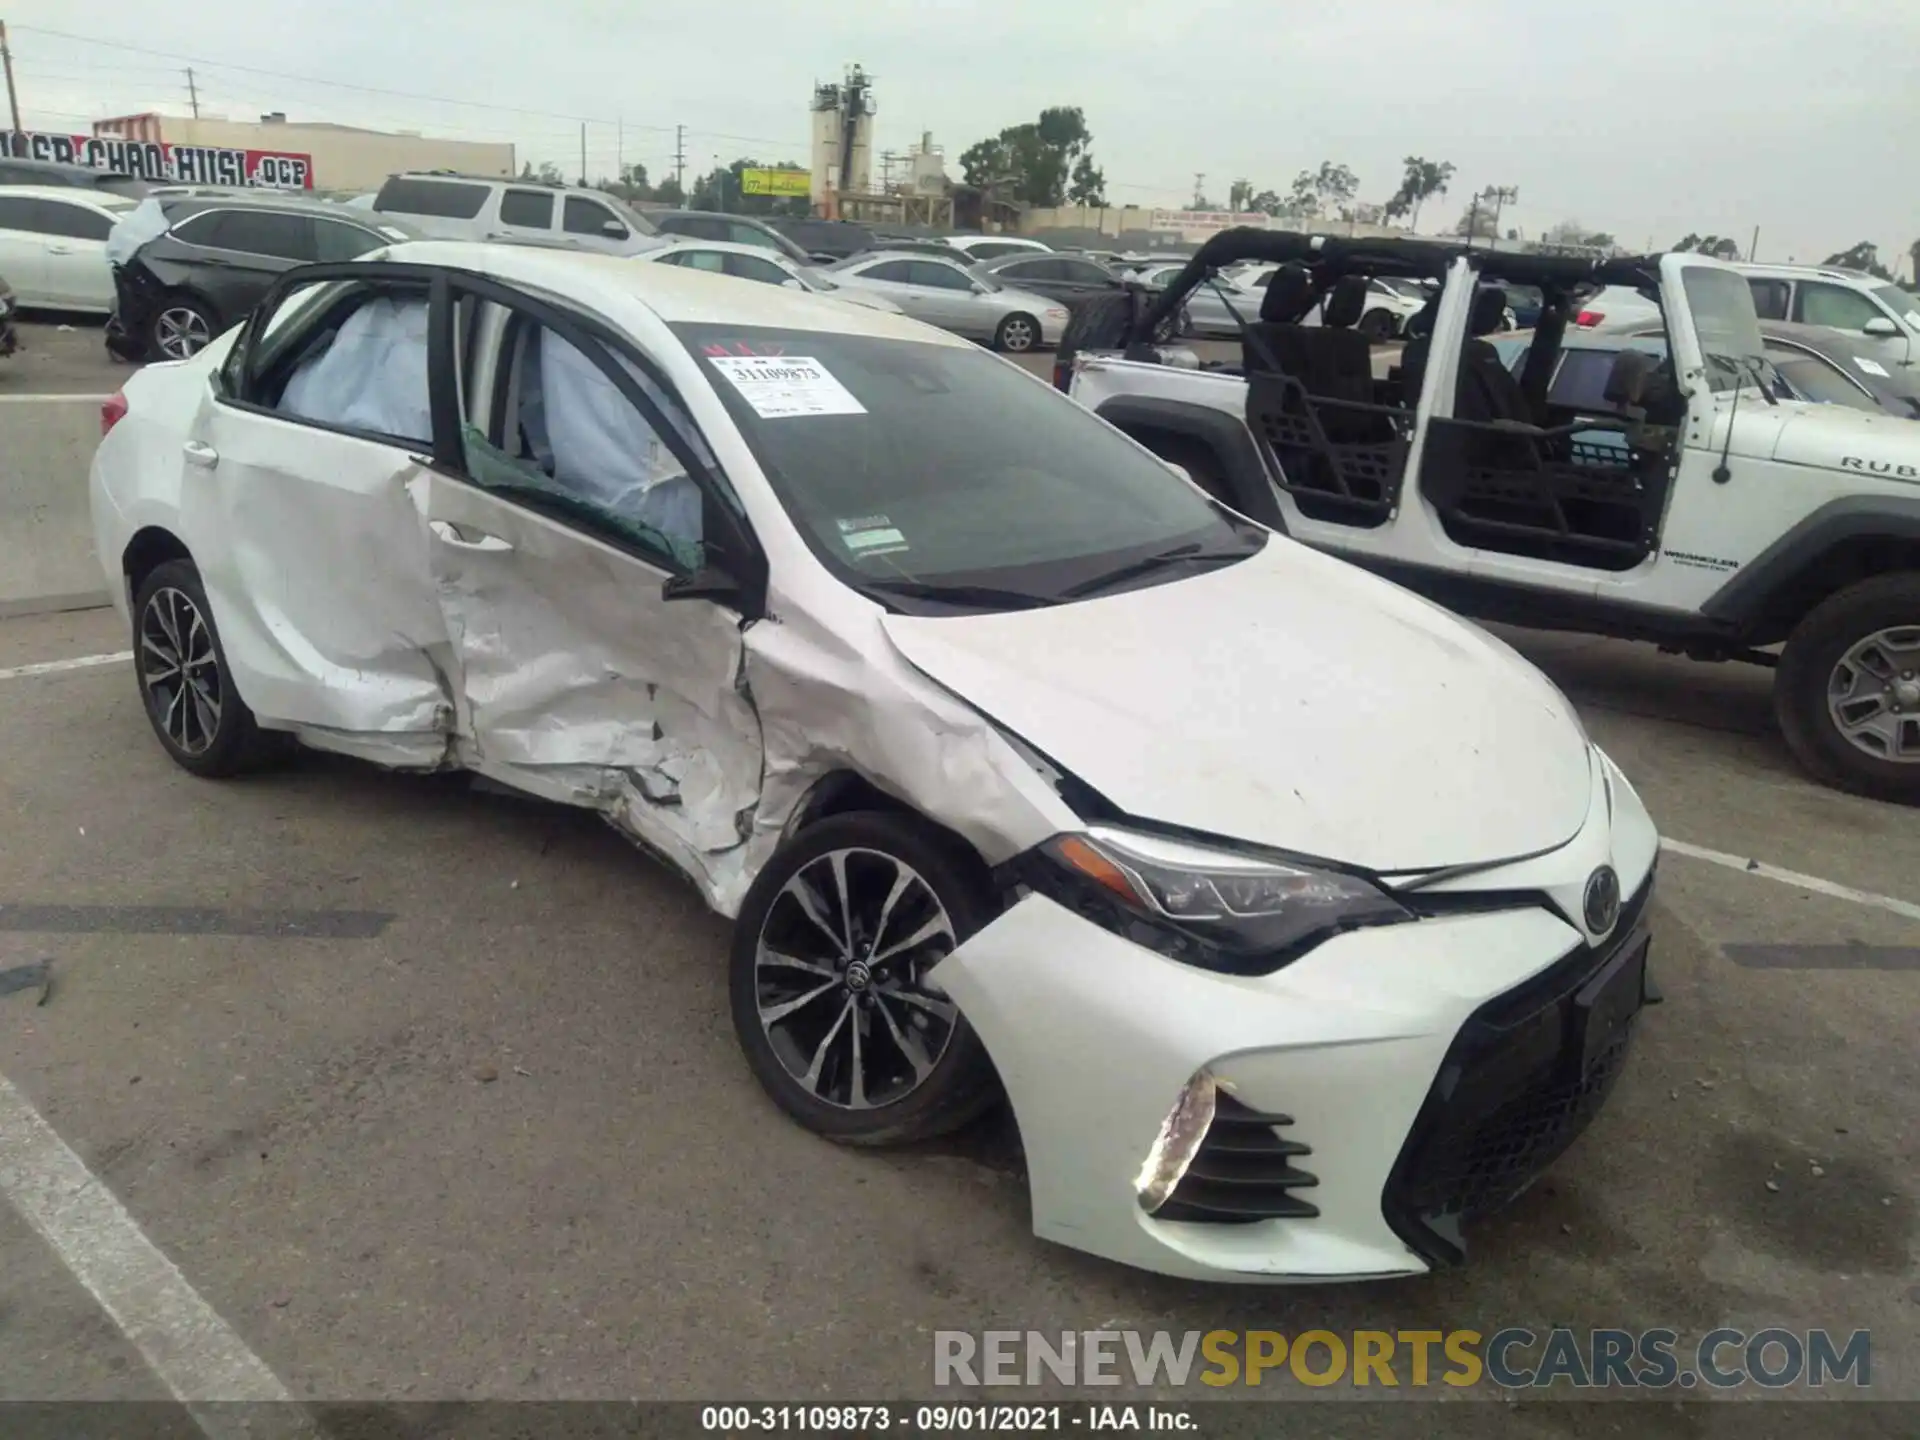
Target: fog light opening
column 1179, row 1140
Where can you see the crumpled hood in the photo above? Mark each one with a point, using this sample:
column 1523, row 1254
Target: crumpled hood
column 1290, row 701
column 1836, row 437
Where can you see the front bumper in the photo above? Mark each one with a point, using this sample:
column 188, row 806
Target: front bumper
column 1400, row 1078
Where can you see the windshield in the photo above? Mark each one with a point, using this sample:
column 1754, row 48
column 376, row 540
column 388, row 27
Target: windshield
column 1727, row 326
column 876, row 449
column 1902, row 303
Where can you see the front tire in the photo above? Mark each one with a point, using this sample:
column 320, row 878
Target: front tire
column 1847, row 691
column 186, row 687
column 1377, row 326
column 828, row 981
column 1018, row 334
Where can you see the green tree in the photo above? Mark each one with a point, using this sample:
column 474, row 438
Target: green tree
column 1421, row 181
column 1238, row 194
column 1476, row 222
column 1334, row 187
column 1863, row 256
column 549, row 174
column 1089, row 183
column 1717, row 247
column 1038, row 163
column 668, row 192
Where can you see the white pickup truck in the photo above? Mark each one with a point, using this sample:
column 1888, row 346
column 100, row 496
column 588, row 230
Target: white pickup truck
column 1721, row 520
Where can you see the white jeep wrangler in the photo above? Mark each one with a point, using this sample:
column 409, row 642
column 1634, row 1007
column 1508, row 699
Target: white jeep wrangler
column 1690, row 505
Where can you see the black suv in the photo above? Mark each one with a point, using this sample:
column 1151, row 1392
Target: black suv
column 216, row 258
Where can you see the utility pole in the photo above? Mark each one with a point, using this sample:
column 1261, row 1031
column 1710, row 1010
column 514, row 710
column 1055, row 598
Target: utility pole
column 1502, row 196
column 6, row 63
column 620, row 150
column 1754, row 248
column 680, row 161
column 193, row 93
column 583, row 152
column 1199, row 188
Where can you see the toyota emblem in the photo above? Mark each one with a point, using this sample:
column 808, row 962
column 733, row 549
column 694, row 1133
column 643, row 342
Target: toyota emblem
column 1602, row 903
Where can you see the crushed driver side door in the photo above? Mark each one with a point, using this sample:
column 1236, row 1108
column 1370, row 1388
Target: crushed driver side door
column 581, row 491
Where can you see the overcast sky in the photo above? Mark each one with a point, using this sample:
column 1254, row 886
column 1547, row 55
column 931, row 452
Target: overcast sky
column 1645, row 118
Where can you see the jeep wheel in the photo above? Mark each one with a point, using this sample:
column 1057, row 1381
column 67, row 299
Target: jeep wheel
column 1377, row 326
column 1847, row 692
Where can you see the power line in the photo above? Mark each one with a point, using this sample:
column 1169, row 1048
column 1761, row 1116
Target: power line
column 316, row 80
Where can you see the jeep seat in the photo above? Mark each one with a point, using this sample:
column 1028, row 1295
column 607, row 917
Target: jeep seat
column 1278, row 332
column 1488, row 389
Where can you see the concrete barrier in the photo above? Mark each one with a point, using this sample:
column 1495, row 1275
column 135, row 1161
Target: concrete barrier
column 46, row 537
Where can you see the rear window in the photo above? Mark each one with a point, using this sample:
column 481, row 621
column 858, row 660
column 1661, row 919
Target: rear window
column 448, row 199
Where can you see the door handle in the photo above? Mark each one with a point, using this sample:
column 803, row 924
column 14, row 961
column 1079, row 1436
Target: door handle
column 492, row 544
column 198, row 454
column 59, row 249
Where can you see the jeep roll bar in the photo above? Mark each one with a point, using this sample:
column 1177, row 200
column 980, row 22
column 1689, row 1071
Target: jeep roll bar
column 1330, row 257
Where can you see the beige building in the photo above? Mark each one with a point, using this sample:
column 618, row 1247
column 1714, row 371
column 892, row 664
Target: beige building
column 344, row 156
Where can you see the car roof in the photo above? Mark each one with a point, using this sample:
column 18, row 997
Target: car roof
column 677, row 296
column 676, row 243
column 183, row 205
column 73, row 194
column 754, row 220
column 957, row 260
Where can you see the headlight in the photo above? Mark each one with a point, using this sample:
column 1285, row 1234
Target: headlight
column 1219, row 909
column 1056, row 315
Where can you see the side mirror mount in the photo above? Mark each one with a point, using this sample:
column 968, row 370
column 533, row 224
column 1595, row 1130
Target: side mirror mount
column 821, row 257
column 1881, row 328
column 613, row 230
column 709, row 582
column 1179, row 470
column 790, row 283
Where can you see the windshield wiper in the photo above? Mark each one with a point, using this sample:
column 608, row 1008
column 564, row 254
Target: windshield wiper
column 972, row 597
column 1190, row 553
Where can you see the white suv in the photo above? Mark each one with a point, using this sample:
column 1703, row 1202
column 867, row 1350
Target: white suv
column 1849, row 300
column 446, row 206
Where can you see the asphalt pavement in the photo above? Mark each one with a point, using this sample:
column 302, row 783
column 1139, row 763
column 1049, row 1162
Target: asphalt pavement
column 422, row 1093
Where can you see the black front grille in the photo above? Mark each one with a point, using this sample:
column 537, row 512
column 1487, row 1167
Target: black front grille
column 1511, row 1096
column 1243, row 1171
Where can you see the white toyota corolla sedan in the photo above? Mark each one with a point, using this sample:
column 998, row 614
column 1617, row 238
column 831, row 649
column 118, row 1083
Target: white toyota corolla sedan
column 1298, row 920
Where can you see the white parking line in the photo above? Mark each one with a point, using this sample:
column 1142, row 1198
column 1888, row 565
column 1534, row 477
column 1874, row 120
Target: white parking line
column 54, row 399
column 54, row 667
column 190, row 1349
column 1793, row 877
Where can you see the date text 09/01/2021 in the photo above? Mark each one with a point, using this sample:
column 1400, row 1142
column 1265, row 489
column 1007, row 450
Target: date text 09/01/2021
column 941, row 1419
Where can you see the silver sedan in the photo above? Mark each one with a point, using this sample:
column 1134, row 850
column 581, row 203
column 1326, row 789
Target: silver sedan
column 944, row 294
column 767, row 267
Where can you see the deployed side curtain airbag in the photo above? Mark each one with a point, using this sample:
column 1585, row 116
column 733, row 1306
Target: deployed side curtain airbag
column 372, row 377
column 603, row 449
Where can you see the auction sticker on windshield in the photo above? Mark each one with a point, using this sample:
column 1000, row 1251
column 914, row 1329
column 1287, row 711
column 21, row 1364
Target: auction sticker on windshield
column 790, row 385
column 1872, row 367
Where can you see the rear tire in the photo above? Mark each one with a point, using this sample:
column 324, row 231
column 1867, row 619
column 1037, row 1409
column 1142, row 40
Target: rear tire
column 186, row 687
column 1018, row 334
column 1847, row 691
column 803, row 990
column 1377, row 326
column 182, row 326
